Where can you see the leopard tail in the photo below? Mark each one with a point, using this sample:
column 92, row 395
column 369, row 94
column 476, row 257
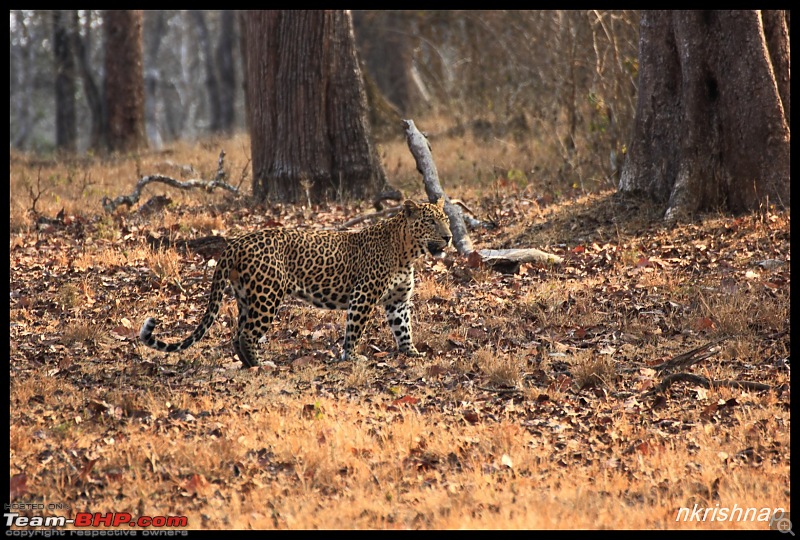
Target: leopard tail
column 218, row 281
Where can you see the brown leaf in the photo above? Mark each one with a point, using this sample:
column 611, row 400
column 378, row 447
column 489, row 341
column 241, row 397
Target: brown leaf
column 19, row 486
column 405, row 399
column 709, row 411
column 87, row 469
column 471, row 417
column 474, row 260
column 303, row 361
column 436, row 370
column 196, row 484
column 704, row 323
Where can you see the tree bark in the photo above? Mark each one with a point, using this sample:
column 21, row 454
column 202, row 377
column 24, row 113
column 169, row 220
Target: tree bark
column 310, row 139
column 124, row 82
column 66, row 126
column 711, row 129
column 212, row 85
column 94, row 99
column 22, row 56
column 226, row 69
column 156, row 24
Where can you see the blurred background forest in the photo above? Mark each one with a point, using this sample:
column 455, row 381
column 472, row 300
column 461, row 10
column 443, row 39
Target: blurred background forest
column 561, row 84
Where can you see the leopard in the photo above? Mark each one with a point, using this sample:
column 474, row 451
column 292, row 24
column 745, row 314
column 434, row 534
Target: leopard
column 330, row 269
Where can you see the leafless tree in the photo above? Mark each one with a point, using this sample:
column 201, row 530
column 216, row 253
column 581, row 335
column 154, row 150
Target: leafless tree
column 66, row 128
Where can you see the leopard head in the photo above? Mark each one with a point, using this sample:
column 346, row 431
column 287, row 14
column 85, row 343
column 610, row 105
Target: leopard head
column 429, row 226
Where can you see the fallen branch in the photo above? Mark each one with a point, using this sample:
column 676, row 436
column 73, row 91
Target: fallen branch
column 364, row 217
column 691, row 357
column 209, row 185
column 493, row 257
column 671, row 379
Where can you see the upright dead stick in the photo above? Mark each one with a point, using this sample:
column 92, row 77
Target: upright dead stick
column 421, row 150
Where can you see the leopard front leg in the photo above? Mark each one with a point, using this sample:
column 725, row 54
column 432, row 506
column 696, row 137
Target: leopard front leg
column 397, row 304
column 398, row 315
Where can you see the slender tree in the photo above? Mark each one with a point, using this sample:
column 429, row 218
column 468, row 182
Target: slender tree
column 66, row 127
column 212, row 84
column 310, row 138
column 226, row 70
column 124, row 82
column 711, row 127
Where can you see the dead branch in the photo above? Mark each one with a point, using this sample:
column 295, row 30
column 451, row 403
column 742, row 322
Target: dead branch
column 389, row 194
column 364, row 217
column 207, row 246
column 501, row 260
column 493, row 257
column 671, row 379
column 209, row 185
column 421, row 150
column 690, row 357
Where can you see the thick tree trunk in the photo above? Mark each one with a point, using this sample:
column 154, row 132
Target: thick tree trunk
column 66, row 127
column 710, row 128
column 226, row 69
column 124, row 81
column 310, row 138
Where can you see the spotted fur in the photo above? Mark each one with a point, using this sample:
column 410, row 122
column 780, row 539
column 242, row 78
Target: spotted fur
column 330, row 269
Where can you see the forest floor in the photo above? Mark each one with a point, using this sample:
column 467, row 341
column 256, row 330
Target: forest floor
column 647, row 374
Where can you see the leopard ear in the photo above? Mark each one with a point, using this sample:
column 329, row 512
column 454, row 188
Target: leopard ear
column 410, row 208
column 440, row 202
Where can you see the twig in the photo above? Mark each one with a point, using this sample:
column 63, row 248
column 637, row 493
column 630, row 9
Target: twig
column 129, row 200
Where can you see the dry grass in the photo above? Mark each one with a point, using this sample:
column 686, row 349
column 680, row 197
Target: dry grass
column 530, row 409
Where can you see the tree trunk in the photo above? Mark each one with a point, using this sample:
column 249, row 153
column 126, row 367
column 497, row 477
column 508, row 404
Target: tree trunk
column 124, row 81
column 242, row 17
column 156, row 25
column 94, row 100
column 22, row 56
column 212, row 86
column 226, row 69
column 711, row 128
column 310, row 139
column 66, row 127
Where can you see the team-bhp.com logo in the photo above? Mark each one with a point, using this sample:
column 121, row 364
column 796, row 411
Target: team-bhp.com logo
column 89, row 519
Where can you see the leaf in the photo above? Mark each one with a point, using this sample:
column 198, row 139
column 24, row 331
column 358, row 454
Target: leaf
column 19, row 486
column 195, row 484
column 704, row 323
column 405, row 399
column 87, row 469
column 436, row 370
column 471, row 417
column 474, row 259
column 303, row 361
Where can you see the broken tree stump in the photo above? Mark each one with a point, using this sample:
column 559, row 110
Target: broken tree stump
column 503, row 259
